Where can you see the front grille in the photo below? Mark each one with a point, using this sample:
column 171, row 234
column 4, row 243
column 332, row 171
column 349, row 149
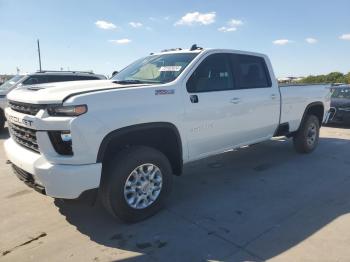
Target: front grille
column 29, row 109
column 24, row 136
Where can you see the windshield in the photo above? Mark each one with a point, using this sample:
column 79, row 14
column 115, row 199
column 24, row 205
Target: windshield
column 155, row 69
column 341, row 93
column 10, row 83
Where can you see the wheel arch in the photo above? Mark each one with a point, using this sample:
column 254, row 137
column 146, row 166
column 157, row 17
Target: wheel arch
column 162, row 136
column 315, row 108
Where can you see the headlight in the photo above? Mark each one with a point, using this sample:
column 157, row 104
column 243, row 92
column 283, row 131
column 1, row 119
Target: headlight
column 58, row 110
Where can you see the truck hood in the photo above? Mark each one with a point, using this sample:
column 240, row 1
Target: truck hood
column 55, row 93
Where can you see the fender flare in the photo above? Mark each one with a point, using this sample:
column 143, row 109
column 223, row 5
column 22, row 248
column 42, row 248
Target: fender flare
column 317, row 103
column 138, row 127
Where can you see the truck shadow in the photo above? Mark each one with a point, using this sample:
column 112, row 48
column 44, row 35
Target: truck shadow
column 343, row 126
column 253, row 204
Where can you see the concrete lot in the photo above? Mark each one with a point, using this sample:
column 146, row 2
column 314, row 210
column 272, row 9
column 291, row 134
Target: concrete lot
column 260, row 203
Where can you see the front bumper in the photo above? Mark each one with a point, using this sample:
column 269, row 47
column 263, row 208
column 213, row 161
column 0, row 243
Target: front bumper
column 59, row 181
column 339, row 115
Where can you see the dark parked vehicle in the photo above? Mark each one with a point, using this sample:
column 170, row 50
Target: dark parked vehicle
column 37, row 78
column 340, row 105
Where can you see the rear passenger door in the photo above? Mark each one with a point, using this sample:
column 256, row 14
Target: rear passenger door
column 256, row 99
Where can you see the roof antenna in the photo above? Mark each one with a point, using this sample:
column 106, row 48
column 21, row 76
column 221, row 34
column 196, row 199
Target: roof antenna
column 193, row 47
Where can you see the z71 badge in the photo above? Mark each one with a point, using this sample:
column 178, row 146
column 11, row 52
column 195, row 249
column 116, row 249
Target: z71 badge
column 165, row 92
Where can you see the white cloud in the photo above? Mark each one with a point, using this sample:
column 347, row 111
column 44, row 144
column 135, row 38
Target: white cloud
column 311, row 40
column 105, row 25
column 234, row 22
column 122, row 41
column 281, row 42
column 197, row 18
column 227, row 29
column 135, row 24
column 231, row 26
column 345, row 37
column 159, row 19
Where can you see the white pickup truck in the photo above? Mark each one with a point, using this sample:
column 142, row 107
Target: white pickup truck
column 128, row 135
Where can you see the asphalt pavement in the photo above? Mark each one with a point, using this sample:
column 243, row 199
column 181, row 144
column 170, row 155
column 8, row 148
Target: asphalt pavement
column 263, row 202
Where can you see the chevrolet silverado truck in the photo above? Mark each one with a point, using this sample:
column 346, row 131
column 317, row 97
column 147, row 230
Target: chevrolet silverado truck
column 128, row 135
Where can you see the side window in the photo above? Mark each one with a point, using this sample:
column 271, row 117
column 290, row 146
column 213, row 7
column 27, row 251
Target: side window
column 64, row 78
column 35, row 79
column 213, row 74
column 250, row 72
column 86, row 78
column 58, row 78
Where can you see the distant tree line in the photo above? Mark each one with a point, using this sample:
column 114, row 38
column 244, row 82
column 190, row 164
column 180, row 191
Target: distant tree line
column 334, row 77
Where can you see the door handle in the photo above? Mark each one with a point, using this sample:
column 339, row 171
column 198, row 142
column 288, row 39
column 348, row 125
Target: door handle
column 273, row 96
column 235, row 100
column 194, row 99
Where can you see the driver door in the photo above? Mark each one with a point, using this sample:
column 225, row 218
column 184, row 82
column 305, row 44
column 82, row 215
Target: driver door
column 209, row 113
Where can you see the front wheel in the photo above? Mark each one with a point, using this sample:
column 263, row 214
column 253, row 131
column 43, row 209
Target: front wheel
column 135, row 183
column 306, row 138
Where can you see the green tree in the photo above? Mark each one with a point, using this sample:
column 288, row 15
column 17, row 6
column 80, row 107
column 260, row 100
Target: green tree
column 333, row 77
column 347, row 78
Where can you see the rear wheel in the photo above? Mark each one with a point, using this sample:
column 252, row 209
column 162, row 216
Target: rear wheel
column 135, row 183
column 306, row 139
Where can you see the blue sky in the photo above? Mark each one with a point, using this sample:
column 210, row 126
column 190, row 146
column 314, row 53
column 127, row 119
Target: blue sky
column 107, row 35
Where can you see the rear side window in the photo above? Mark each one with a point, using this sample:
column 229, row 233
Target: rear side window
column 213, row 74
column 250, row 72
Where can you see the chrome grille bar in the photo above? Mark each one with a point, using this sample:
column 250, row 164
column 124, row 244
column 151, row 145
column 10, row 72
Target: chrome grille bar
column 24, row 136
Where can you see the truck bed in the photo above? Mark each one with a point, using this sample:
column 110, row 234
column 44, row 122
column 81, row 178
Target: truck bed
column 295, row 98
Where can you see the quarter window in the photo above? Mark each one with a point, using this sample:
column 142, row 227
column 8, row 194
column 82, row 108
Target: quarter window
column 213, row 74
column 250, row 72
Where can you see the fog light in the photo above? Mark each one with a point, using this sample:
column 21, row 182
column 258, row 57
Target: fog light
column 66, row 136
column 61, row 142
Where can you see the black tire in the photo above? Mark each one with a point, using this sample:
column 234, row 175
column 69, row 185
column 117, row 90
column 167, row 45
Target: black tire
column 115, row 175
column 2, row 121
column 303, row 142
